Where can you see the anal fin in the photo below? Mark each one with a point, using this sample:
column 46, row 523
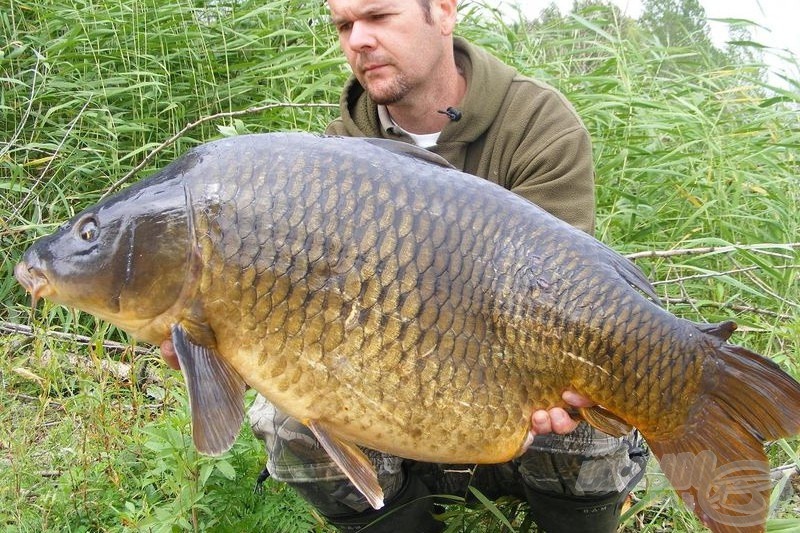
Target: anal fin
column 605, row 421
column 216, row 394
column 356, row 466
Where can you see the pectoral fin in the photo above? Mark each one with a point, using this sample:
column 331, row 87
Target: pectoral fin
column 605, row 421
column 216, row 394
column 353, row 463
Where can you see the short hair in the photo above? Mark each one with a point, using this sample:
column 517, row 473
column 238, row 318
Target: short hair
column 426, row 9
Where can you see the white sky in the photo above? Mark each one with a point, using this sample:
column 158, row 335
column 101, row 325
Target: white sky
column 778, row 22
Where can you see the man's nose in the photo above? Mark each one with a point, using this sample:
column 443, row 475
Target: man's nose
column 361, row 36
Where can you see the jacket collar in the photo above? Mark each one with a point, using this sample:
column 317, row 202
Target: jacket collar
column 488, row 81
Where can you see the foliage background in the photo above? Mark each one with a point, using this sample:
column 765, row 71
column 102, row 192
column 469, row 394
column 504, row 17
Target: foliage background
column 694, row 151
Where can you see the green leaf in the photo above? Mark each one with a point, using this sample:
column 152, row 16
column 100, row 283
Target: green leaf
column 488, row 504
column 226, row 469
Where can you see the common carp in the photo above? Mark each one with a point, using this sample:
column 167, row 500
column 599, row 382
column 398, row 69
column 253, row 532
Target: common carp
column 388, row 301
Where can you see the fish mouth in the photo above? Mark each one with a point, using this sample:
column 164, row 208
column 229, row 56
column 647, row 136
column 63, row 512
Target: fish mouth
column 33, row 280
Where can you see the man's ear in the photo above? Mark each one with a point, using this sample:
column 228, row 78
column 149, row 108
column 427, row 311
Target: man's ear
column 446, row 13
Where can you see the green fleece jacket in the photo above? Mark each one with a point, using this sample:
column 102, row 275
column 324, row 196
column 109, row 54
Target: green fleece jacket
column 515, row 131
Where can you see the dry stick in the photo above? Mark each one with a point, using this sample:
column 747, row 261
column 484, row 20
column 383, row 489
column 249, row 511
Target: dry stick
column 710, row 249
column 121, row 371
column 681, row 279
column 739, row 270
column 202, row 120
column 738, row 308
column 745, row 270
column 11, row 327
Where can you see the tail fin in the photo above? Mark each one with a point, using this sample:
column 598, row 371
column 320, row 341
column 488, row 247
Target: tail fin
column 718, row 464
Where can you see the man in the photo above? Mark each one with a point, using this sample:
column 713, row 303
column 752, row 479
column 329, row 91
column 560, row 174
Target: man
column 414, row 81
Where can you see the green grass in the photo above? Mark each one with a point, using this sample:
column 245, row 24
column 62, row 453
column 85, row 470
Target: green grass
column 694, row 151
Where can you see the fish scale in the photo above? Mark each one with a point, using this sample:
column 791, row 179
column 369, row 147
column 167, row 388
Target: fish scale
column 390, row 302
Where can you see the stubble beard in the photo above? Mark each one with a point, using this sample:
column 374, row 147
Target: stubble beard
column 391, row 92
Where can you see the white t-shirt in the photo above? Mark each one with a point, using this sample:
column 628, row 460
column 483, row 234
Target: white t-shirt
column 424, row 140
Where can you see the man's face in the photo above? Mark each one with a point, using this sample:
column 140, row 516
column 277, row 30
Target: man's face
column 393, row 46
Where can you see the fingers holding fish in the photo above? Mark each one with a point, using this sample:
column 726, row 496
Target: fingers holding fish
column 169, row 355
column 557, row 419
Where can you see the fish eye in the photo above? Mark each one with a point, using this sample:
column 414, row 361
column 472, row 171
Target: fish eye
column 88, row 230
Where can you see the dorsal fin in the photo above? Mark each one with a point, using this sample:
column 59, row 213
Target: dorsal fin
column 634, row 276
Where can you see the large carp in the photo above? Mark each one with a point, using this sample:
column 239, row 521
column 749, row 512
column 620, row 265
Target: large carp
column 390, row 302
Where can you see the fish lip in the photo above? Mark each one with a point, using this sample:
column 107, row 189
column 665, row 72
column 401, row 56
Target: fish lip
column 33, row 280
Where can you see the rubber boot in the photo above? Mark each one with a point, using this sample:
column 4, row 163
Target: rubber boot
column 563, row 513
column 556, row 513
column 411, row 509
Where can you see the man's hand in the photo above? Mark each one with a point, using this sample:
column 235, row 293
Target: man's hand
column 169, row 355
column 557, row 420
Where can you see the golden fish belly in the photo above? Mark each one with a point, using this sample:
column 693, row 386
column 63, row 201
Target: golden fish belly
column 424, row 409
